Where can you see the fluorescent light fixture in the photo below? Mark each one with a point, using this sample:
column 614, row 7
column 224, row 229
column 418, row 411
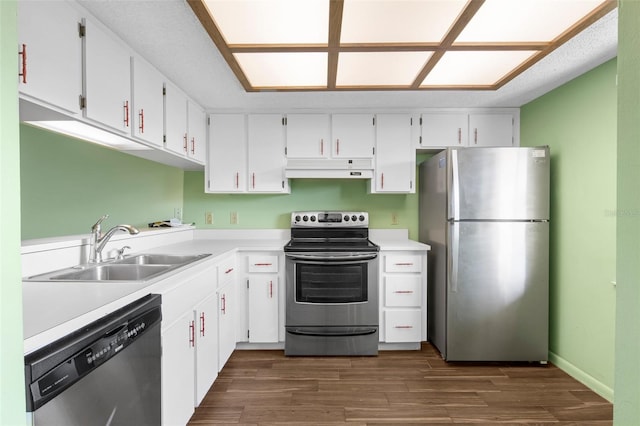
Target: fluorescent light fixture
column 301, row 69
column 380, row 68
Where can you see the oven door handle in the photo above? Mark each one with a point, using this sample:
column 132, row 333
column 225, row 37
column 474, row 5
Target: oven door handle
column 357, row 332
column 339, row 258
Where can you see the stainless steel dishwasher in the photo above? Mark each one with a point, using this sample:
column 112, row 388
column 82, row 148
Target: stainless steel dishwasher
column 107, row 373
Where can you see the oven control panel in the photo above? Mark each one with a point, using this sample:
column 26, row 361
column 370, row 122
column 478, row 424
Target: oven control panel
column 330, row 219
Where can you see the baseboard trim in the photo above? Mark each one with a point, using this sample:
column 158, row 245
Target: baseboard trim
column 588, row 380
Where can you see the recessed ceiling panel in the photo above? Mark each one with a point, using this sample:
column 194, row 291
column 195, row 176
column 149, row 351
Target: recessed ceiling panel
column 398, row 21
column 271, row 21
column 284, row 69
column 379, row 68
column 474, row 68
column 524, row 20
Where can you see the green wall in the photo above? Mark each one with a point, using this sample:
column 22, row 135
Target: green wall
column 68, row 184
column 578, row 122
column 274, row 211
column 627, row 378
column 12, row 402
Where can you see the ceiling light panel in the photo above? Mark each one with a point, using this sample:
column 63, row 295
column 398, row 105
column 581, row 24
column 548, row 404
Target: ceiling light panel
column 474, row 68
column 299, row 69
column 271, row 21
column 379, row 68
column 398, row 21
column 524, row 20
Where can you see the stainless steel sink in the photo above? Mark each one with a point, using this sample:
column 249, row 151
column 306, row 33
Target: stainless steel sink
column 114, row 272
column 141, row 267
column 160, row 259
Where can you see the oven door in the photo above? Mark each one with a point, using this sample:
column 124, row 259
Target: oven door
column 331, row 289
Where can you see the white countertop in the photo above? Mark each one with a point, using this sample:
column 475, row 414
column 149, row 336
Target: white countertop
column 54, row 309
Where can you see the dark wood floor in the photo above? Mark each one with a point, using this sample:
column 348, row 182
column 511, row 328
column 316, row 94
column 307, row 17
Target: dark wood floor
column 396, row 387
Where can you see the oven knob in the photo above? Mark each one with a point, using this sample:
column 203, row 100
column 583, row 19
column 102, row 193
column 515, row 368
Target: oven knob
column 313, row 218
column 305, row 218
column 298, row 218
column 346, row 218
column 354, row 218
column 361, row 218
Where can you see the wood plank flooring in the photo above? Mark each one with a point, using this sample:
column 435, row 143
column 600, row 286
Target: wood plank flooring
column 396, row 387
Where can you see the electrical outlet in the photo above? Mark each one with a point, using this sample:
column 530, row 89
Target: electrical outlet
column 208, row 218
column 394, row 218
column 177, row 213
column 233, row 218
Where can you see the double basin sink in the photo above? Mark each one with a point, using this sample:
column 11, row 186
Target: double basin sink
column 141, row 267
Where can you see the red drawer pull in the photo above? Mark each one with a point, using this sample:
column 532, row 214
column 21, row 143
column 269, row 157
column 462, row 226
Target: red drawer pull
column 404, row 264
column 403, row 326
column 228, row 270
column 404, row 291
column 262, row 264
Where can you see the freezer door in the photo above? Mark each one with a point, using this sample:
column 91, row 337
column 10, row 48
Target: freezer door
column 497, row 308
column 499, row 183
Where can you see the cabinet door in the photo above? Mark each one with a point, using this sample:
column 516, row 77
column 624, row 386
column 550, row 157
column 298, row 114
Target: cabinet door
column 443, row 130
column 353, row 135
column 197, row 146
column 402, row 325
column 491, row 130
column 51, row 62
column 266, row 160
column 206, row 345
column 107, row 79
column 308, row 135
column 175, row 120
column 226, row 168
column 148, row 102
column 226, row 324
column 178, row 371
column 395, row 159
column 263, row 308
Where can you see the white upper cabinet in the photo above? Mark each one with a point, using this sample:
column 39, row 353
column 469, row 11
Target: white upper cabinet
column 266, row 160
column 50, row 54
column 491, row 130
column 175, row 120
column 148, row 99
column 444, row 130
column 308, row 135
column 226, row 168
column 352, row 135
column 107, row 79
column 197, row 131
column 395, row 155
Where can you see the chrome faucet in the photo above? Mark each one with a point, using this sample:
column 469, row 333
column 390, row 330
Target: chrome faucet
column 97, row 240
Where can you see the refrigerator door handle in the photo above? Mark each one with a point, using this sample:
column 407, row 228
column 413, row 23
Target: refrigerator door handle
column 455, row 187
column 454, row 247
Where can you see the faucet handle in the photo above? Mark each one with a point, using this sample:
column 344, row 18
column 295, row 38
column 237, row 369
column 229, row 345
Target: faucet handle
column 96, row 226
column 121, row 252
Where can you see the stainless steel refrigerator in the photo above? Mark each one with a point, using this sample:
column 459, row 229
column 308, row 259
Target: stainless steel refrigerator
column 485, row 213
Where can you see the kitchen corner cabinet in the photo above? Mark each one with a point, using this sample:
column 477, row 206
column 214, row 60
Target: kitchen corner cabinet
column 107, row 79
column 353, row 135
column 468, row 129
column 226, row 170
column 266, row 160
column 395, row 168
column 308, row 135
column 403, row 297
column 148, row 102
column 50, row 54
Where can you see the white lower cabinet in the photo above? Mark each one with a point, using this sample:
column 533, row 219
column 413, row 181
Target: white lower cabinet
column 206, row 345
column 226, row 323
column 403, row 297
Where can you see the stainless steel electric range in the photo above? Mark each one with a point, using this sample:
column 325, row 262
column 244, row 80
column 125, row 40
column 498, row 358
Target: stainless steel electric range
column 331, row 285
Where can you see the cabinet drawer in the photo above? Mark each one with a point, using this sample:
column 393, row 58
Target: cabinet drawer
column 403, row 263
column 403, row 290
column 226, row 270
column 262, row 263
column 402, row 325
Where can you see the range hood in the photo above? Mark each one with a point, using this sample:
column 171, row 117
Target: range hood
column 360, row 168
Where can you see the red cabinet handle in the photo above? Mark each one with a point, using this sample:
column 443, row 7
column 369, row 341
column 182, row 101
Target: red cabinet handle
column 262, row 264
column 228, row 270
column 23, row 53
column 237, row 180
column 141, row 117
column 459, row 135
column 403, row 291
column 337, row 146
column 405, row 264
column 475, row 136
column 184, row 145
column 193, row 145
column 403, row 326
column 192, row 333
column 224, row 304
column 126, row 113
column 253, row 180
column 321, row 146
column 382, row 180
column 202, row 324
column 270, row 289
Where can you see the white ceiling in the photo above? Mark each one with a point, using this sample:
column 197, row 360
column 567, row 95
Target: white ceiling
column 167, row 34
